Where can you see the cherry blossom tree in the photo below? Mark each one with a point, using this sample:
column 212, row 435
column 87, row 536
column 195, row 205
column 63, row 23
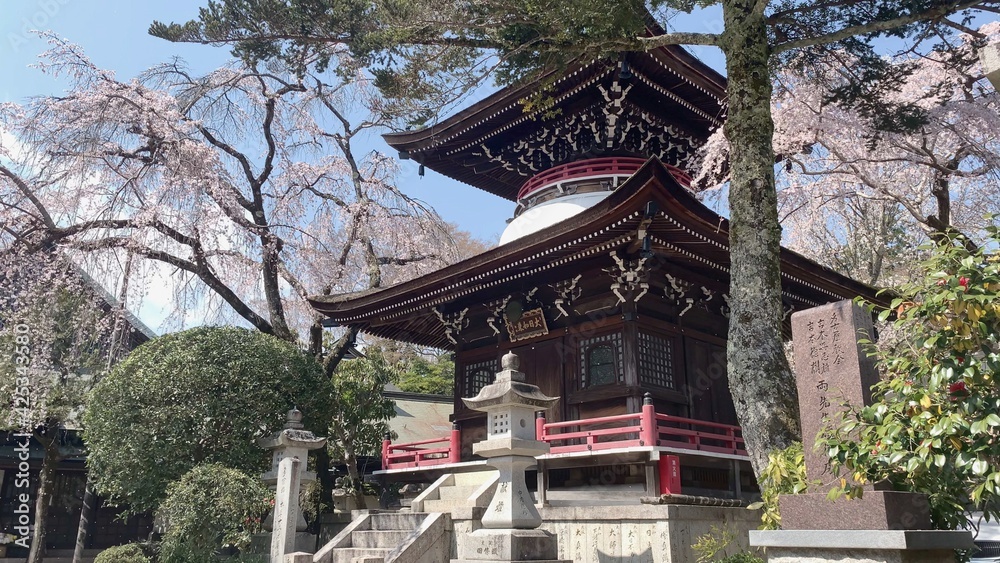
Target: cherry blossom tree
column 855, row 197
column 48, row 363
column 246, row 185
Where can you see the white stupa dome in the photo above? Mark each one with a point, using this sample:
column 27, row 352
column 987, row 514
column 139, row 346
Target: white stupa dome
column 549, row 213
column 564, row 191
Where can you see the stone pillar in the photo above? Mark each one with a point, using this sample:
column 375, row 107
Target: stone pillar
column 292, row 442
column 885, row 526
column 286, row 509
column 510, row 524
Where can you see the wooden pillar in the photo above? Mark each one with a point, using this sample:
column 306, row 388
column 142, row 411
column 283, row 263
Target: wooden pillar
column 630, row 354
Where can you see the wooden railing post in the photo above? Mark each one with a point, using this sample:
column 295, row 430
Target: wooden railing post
column 386, row 442
column 539, row 424
column 648, row 431
column 670, row 474
column 455, row 445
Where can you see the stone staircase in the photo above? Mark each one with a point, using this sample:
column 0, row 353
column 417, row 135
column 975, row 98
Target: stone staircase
column 390, row 537
column 458, row 491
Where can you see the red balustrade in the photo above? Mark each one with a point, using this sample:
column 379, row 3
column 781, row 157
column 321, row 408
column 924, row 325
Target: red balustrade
column 593, row 167
column 419, row 454
column 646, row 428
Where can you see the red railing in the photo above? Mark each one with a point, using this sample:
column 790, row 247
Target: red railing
column 646, row 428
column 593, row 167
column 418, row 454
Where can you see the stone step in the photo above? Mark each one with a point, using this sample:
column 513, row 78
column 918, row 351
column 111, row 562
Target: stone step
column 457, row 492
column 359, row 554
column 444, row 505
column 394, row 521
column 473, row 478
column 380, row 538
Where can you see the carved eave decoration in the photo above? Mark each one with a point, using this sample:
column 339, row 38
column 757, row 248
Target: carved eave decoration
column 684, row 236
column 662, row 103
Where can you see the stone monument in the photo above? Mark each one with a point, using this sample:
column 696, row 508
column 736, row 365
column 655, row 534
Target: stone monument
column 510, row 524
column 286, row 509
column 292, row 442
column 831, row 368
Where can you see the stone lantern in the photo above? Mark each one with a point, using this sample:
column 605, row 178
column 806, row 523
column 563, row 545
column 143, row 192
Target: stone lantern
column 511, row 520
column 291, row 441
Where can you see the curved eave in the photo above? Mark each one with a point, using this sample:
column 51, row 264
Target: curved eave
column 687, row 231
column 704, row 75
column 670, row 83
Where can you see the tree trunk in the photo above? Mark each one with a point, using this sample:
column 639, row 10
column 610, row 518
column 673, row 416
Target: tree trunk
column 46, row 484
column 86, row 516
column 761, row 381
column 355, row 477
column 323, row 475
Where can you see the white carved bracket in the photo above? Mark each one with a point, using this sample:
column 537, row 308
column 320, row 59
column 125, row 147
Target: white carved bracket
column 567, row 291
column 453, row 323
column 496, row 313
column 627, row 276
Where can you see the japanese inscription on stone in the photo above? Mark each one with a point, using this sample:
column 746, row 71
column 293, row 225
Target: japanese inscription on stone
column 830, row 368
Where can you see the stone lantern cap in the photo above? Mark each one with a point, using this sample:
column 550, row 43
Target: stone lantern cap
column 292, row 435
column 510, row 390
column 291, row 441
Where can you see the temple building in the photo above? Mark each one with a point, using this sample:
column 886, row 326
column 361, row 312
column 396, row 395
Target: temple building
column 610, row 283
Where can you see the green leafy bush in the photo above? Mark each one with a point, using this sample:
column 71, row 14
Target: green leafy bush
column 933, row 427
column 742, row 557
column 198, row 396
column 210, row 507
column 785, row 474
column 715, row 542
column 128, row 553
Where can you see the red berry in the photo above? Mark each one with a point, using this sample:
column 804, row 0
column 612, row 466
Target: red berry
column 963, row 281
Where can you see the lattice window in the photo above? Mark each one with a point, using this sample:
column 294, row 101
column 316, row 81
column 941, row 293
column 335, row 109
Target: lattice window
column 479, row 375
column 656, row 360
column 601, row 360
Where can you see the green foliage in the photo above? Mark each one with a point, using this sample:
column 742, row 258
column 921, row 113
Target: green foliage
column 128, row 553
column 428, row 375
column 362, row 414
column 715, row 542
column 742, row 557
column 936, row 415
column 785, row 474
column 530, row 37
column 709, row 545
column 211, row 507
column 198, row 396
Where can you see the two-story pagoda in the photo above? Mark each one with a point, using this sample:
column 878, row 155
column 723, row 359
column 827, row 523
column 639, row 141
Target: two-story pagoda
column 610, row 282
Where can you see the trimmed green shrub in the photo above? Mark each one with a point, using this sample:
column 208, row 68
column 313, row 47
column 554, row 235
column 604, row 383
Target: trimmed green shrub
column 210, row 507
column 194, row 397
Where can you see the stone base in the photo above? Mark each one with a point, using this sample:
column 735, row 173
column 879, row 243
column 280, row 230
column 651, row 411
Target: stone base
column 861, row 546
column 509, row 545
column 876, row 510
column 261, row 543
